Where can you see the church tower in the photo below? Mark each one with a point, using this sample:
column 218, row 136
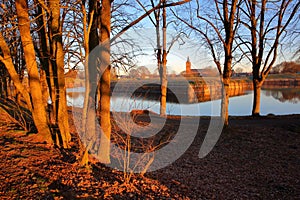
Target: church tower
column 188, row 66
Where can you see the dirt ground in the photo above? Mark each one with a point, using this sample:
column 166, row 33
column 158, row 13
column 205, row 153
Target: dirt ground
column 255, row 158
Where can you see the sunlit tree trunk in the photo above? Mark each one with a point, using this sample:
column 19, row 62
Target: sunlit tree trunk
column 39, row 111
column 225, row 102
column 226, row 83
column 163, row 69
column 44, row 86
column 8, row 63
column 230, row 29
column 58, row 64
column 104, row 104
column 256, row 98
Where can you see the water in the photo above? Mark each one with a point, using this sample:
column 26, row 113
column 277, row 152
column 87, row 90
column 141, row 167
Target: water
column 278, row 102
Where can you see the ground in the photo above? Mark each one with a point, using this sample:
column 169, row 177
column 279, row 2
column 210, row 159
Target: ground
column 255, row 158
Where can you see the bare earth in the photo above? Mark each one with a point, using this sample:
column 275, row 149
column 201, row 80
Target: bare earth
column 255, row 158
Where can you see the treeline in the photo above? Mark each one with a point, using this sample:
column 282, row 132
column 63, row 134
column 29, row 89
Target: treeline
column 286, row 68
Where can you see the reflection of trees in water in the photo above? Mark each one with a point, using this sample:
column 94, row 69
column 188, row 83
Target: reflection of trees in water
column 290, row 95
column 216, row 93
column 186, row 93
column 180, row 93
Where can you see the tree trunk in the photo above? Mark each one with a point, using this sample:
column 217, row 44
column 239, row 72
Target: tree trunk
column 256, row 98
column 163, row 74
column 45, row 59
column 164, row 83
column 226, row 82
column 257, row 83
column 1, row 88
column 5, row 87
column 105, row 117
column 44, row 86
column 58, row 56
column 8, row 63
column 225, row 101
column 91, row 41
column 104, row 104
column 39, row 110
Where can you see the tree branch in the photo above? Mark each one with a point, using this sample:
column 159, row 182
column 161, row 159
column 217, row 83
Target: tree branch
column 145, row 15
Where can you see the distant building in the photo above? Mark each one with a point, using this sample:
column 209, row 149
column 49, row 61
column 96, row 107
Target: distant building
column 188, row 65
column 190, row 72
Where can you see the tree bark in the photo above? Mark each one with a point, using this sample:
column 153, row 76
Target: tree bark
column 45, row 59
column 58, row 61
column 256, row 98
column 39, row 110
column 8, row 63
column 163, row 73
column 1, row 88
column 44, row 86
column 225, row 101
column 104, row 104
column 5, row 87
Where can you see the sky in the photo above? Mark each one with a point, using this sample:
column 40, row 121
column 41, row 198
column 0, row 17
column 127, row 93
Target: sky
column 145, row 38
column 199, row 56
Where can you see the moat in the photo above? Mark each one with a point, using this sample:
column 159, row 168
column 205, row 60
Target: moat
column 273, row 101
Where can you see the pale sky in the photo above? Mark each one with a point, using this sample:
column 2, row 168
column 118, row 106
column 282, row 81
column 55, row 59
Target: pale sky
column 200, row 57
column 176, row 59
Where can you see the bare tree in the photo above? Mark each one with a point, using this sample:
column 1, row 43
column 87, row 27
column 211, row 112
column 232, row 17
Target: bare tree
column 267, row 22
column 104, row 65
column 38, row 109
column 41, row 19
column 159, row 21
column 11, row 39
column 50, row 51
column 6, row 59
column 217, row 27
column 57, row 55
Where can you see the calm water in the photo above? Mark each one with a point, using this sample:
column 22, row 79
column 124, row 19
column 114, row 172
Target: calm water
column 279, row 102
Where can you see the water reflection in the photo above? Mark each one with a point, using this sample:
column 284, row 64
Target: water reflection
column 184, row 93
column 290, row 95
column 285, row 101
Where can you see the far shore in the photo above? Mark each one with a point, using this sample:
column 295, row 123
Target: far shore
column 273, row 80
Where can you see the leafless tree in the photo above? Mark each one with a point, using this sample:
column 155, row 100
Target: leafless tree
column 216, row 23
column 266, row 22
column 162, row 49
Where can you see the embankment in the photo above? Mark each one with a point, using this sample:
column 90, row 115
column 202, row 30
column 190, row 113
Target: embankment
column 190, row 90
column 282, row 83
